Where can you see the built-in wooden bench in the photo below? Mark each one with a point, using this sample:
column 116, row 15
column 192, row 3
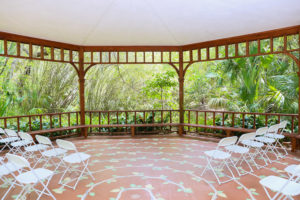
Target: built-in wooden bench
column 228, row 130
column 132, row 126
column 52, row 130
column 294, row 137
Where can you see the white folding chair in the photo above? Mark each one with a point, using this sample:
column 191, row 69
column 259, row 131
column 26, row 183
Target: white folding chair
column 71, row 160
column 6, row 139
column 292, row 171
column 270, row 142
column 276, row 132
column 6, row 169
column 52, row 152
column 32, row 147
column 30, row 178
column 16, row 147
column 222, row 158
column 244, row 155
column 248, row 141
column 284, row 188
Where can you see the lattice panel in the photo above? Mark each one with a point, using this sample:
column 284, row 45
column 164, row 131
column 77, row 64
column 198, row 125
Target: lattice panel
column 281, row 44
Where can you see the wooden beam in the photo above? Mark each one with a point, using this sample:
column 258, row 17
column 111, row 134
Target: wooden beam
column 244, row 38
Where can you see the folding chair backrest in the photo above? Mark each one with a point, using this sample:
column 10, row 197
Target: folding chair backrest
column 2, row 131
column 283, row 124
column 262, row 131
column 247, row 136
column 227, row 141
column 25, row 136
column 43, row 140
column 17, row 160
column 11, row 133
column 66, row 145
column 274, row 129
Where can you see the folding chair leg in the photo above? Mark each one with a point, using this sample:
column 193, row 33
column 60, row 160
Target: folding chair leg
column 67, row 169
column 6, row 193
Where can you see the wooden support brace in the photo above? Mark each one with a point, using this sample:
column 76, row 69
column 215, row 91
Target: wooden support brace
column 228, row 133
column 132, row 128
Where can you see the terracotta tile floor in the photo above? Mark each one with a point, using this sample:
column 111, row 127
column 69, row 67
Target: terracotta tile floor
column 156, row 169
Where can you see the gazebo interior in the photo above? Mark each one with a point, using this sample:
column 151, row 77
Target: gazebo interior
column 177, row 154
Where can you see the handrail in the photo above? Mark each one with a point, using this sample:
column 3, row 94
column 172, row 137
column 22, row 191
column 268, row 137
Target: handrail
column 97, row 117
column 246, row 113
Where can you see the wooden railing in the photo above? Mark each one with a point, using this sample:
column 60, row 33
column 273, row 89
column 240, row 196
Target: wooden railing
column 238, row 119
column 29, row 123
column 201, row 117
column 130, row 117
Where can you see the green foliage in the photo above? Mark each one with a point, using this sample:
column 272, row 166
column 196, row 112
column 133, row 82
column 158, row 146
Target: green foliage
column 158, row 87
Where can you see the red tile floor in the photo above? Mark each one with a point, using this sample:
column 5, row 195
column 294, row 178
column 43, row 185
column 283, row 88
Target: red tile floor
column 162, row 168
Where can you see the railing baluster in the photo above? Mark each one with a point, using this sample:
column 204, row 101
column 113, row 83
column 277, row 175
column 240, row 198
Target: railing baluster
column 292, row 128
column 59, row 117
column 170, row 119
column 69, row 122
column 77, row 118
column 243, row 120
column 50, row 117
column 41, row 122
column 153, row 117
column 254, row 121
column 69, row 119
column 126, row 120
column 29, row 123
column 99, row 118
column 91, row 122
column 197, row 121
column 189, row 120
column 232, row 122
column 266, row 121
column 223, row 118
column 214, row 118
column 18, row 124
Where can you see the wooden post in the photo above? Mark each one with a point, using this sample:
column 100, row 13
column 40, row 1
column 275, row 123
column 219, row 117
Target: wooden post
column 132, row 131
column 181, row 94
column 294, row 140
column 81, row 92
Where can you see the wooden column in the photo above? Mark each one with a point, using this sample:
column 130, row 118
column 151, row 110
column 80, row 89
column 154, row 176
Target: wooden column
column 297, row 61
column 181, row 94
column 294, row 141
column 81, row 92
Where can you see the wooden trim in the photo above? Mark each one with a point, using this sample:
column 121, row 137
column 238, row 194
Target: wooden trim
column 36, row 41
column 244, row 38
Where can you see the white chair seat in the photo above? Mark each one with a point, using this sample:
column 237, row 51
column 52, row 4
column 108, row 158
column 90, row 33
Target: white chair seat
column 29, row 177
column 76, row 157
column 9, row 139
column 237, row 149
column 8, row 168
column 276, row 183
column 275, row 136
column 37, row 147
column 291, row 169
column 265, row 140
column 252, row 143
column 54, row 152
column 217, row 154
column 21, row 143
